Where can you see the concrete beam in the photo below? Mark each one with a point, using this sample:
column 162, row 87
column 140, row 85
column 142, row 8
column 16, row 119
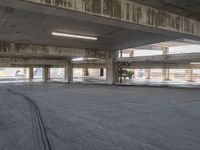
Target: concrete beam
column 18, row 50
column 100, row 63
column 155, row 65
column 88, row 65
column 23, row 62
column 140, row 65
column 128, row 11
column 149, row 47
column 167, row 58
column 178, row 61
column 97, row 63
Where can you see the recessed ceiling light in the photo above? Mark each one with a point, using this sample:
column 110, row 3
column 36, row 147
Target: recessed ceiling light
column 74, row 36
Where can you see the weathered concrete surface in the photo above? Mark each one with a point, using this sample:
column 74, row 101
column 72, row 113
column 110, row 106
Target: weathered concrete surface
column 131, row 11
column 35, row 23
column 19, row 50
column 173, row 61
column 23, row 62
column 100, row 63
column 113, row 33
column 156, row 65
column 138, row 65
column 169, row 58
column 102, row 117
column 186, row 8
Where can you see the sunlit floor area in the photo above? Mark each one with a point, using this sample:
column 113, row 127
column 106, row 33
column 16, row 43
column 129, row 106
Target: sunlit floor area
column 140, row 82
column 129, row 82
column 102, row 117
column 86, row 79
column 158, row 83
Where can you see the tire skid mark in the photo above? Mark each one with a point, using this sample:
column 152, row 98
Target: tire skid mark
column 38, row 126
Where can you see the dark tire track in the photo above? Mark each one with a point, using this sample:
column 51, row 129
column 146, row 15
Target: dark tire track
column 39, row 129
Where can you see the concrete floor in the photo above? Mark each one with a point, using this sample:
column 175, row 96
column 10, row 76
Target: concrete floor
column 141, row 82
column 132, row 82
column 98, row 117
column 161, row 83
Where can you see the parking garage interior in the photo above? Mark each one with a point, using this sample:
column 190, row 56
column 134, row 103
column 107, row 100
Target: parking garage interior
column 99, row 74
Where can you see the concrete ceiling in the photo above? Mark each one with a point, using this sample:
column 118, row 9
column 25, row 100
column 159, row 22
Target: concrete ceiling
column 34, row 24
column 187, row 8
column 177, row 43
column 31, row 27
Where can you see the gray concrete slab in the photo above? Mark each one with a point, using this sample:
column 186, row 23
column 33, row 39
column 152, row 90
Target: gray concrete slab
column 102, row 117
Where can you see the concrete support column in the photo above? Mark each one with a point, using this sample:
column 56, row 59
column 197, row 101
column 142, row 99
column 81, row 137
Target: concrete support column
column 132, row 54
column 165, row 74
column 69, row 73
column 112, row 70
column 26, row 72
column 46, row 73
column 147, row 73
column 189, row 75
column 165, row 71
column 85, row 72
column 118, row 71
column 30, row 73
column 120, row 54
column 101, row 72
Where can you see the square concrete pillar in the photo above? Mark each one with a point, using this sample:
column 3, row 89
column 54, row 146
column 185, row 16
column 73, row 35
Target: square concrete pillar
column 46, row 74
column 101, row 72
column 165, row 74
column 30, row 73
column 26, row 72
column 189, row 75
column 112, row 69
column 112, row 72
column 165, row 71
column 147, row 73
column 68, row 73
column 132, row 53
column 85, row 72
